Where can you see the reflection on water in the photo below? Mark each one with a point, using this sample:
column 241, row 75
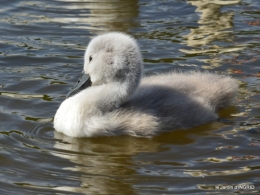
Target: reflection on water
column 214, row 25
column 104, row 164
column 41, row 55
column 108, row 162
column 101, row 16
column 215, row 28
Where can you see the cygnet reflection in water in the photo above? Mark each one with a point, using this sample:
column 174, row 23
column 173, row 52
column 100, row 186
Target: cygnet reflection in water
column 112, row 98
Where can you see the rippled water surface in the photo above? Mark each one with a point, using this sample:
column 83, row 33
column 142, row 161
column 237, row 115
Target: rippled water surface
column 41, row 49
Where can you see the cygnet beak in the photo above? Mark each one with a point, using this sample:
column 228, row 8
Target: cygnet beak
column 83, row 82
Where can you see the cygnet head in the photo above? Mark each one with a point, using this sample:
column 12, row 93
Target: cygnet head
column 113, row 57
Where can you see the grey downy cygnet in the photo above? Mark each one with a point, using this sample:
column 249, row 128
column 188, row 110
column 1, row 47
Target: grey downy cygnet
column 112, row 98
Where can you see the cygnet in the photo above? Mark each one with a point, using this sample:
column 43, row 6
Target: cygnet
column 113, row 98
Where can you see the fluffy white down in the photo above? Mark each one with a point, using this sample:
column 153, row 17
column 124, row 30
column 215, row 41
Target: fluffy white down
column 120, row 101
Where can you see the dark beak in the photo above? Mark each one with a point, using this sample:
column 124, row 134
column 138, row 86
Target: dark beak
column 83, row 82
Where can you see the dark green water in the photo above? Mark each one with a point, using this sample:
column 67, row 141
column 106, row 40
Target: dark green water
column 41, row 56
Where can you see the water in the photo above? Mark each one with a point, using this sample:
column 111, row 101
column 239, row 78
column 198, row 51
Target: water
column 41, row 56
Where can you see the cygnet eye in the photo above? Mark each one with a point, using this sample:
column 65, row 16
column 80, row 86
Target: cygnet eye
column 90, row 58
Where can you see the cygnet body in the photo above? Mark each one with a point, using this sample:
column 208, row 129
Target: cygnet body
column 114, row 99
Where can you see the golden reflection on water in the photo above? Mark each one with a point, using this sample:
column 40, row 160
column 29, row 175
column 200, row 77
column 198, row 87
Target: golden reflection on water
column 103, row 16
column 214, row 25
column 106, row 163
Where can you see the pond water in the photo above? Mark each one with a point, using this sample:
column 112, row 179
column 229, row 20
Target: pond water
column 41, row 56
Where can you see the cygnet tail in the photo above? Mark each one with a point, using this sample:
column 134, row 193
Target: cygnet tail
column 221, row 92
column 217, row 91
